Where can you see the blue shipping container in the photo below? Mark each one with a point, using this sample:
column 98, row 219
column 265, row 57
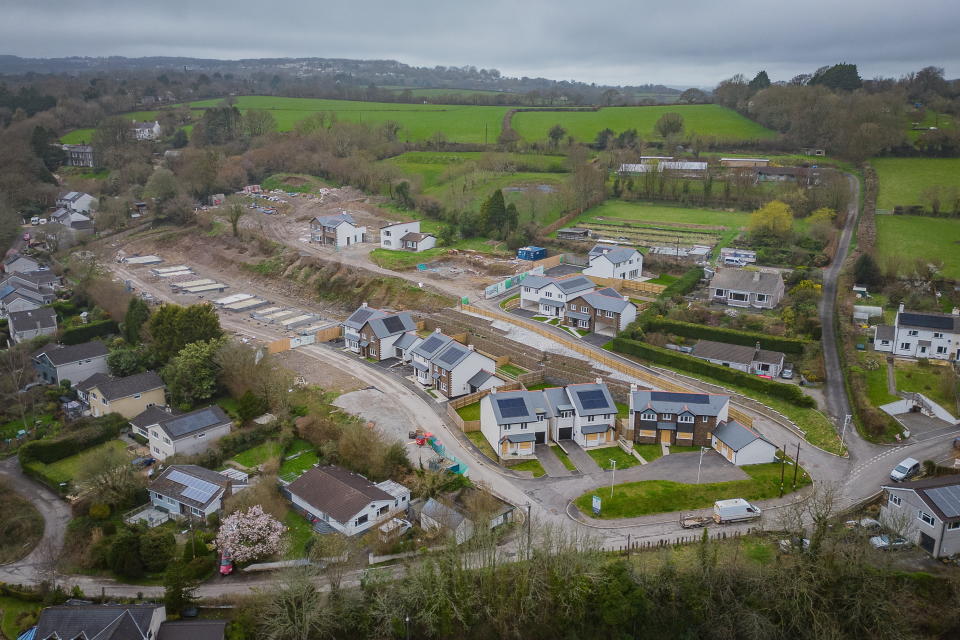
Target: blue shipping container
column 531, row 253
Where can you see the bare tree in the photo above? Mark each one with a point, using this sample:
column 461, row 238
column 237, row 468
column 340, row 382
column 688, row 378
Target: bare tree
column 293, row 610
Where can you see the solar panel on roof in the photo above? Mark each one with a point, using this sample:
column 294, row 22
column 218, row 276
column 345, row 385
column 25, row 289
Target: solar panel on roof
column 393, row 324
column 432, row 343
column 924, row 320
column 451, row 355
column 361, row 315
column 512, row 407
column 947, row 498
column 196, row 489
column 593, row 399
column 689, row 398
column 196, row 494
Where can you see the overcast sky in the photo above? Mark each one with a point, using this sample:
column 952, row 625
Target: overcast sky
column 677, row 42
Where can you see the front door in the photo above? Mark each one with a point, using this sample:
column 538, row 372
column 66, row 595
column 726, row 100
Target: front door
column 665, row 436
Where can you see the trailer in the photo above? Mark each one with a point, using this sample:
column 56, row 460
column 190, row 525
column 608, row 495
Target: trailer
column 180, row 267
column 694, row 522
column 237, row 297
column 192, row 283
column 206, row 288
column 246, row 305
column 142, row 260
column 175, row 274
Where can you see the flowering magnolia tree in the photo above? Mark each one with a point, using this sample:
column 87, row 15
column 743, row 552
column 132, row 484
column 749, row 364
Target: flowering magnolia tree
column 251, row 534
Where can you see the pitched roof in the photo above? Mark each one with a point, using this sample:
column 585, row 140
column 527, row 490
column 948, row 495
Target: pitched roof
column 96, row 622
column 192, row 630
column 606, row 299
column 116, row 388
column 60, row 354
column 737, row 436
column 45, row 317
column 941, row 321
column 941, row 494
column 431, row 345
column 574, row 284
column 480, row 378
column 151, row 416
column 13, row 257
column 885, row 332
column 451, row 356
column 536, row 282
column 615, row 255
column 700, row 404
column 361, row 316
column 406, row 340
column 339, row 493
column 389, row 325
column 512, row 407
column 591, row 399
column 743, row 280
column 190, row 484
column 446, row 516
column 189, row 423
column 414, row 237
column 336, row 220
column 710, row 350
column 397, row 224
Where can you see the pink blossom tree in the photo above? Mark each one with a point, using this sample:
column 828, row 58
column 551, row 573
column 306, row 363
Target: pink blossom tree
column 251, row 534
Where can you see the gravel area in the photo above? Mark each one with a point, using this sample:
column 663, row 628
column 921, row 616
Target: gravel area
column 317, row 372
column 375, row 406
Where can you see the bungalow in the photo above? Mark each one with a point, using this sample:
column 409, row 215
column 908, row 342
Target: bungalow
column 146, row 130
column 742, row 445
column 742, row 358
column 372, row 333
column 78, row 155
column 742, row 288
column 925, row 512
column 620, row 263
column 190, row 491
column 99, row 622
column 549, row 296
column 77, row 201
column 338, row 231
column 671, row 417
column 129, row 396
column 921, row 334
column 170, row 433
column 55, row 363
column 405, row 236
column 19, row 263
column 602, row 311
column 26, row 325
column 337, row 500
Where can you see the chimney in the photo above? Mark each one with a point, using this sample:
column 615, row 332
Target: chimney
column 956, row 311
column 437, row 330
column 626, row 298
column 756, row 276
column 633, row 386
column 598, row 380
column 901, row 308
column 470, row 347
column 363, row 306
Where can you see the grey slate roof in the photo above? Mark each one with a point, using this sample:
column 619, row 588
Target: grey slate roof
column 414, row 237
column 576, row 315
column 447, row 516
column 600, row 249
column 432, row 345
column 605, row 299
column 619, row 255
column 337, row 492
column 737, row 436
column 383, row 327
column 579, row 393
column 743, row 280
column 362, row 316
column 574, row 284
column 480, row 378
column 189, row 423
column 550, row 301
column 531, row 401
column 192, row 630
column 941, row 494
column 336, row 220
column 116, row 388
column 166, row 486
column 536, row 282
column 521, row 437
column 95, row 621
column 930, row 321
column 45, row 317
column 557, row 399
column 596, row 428
column 406, row 340
column 885, row 332
column 151, row 416
column 708, row 349
column 700, row 404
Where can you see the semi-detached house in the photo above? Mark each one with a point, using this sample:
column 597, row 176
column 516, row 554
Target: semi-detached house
column 744, row 288
column 549, row 296
column 678, row 418
column 918, row 334
column 608, row 261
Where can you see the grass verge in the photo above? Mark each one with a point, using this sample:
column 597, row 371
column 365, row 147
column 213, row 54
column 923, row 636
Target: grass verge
column 21, row 527
column 533, row 466
column 478, row 439
column 603, row 457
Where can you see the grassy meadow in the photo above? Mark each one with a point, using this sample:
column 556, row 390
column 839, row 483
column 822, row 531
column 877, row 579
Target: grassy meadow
column 910, row 237
column 902, row 180
column 707, row 119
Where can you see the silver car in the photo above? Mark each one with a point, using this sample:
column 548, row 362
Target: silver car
column 886, row 543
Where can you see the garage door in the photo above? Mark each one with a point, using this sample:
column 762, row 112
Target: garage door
column 541, row 437
column 927, row 543
column 565, row 433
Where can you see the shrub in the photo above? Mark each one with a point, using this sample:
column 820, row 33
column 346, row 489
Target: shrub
column 99, row 511
column 729, row 336
column 91, row 432
column 201, row 567
column 157, row 547
column 87, row 332
column 123, row 558
column 249, row 406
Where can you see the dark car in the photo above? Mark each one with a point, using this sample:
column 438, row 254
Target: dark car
column 145, row 461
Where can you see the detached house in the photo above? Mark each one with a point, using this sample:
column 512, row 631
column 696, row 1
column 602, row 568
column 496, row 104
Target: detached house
column 77, row 201
column 337, row 500
column 19, row 263
column 925, row 512
column 26, row 325
column 146, row 130
column 742, row 358
column 918, row 334
column 677, row 418
column 169, row 433
column 186, row 490
column 448, row 366
column 741, row 288
column 338, row 231
column 55, row 363
column 452, row 514
column 372, row 333
column 549, row 296
column 129, row 396
column 601, row 311
column 406, row 236
column 621, row 263
column 78, row 155
column 99, row 622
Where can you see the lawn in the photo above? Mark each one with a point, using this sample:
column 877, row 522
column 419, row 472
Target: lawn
column 66, row 469
column 707, row 120
column 910, row 237
column 605, row 455
column 936, row 382
column 470, row 411
column 650, row 452
column 623, row 409
column 12, row 608
column 902, row 180
column 876, row 379
column 511, row 370
column 417, row 121
column 257, row 455
column 665, row 279
column 661, row 496
column 77, row 136
column 10, row 429
column 564, row 458
column 290, row 469
column 478, row 439
column 299, row 532
column 533, row 466
column 403, row 260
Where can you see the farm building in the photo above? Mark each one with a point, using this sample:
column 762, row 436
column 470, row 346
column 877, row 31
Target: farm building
column 742, row 255
column 696, row 252
column 573, row 233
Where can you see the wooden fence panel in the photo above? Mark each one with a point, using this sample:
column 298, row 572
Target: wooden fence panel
column 278, row 346
column 628, row 285
column 329, row 333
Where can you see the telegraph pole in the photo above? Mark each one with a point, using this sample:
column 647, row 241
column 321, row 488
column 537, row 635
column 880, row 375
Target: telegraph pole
column 613, row 476
column 843, row 431
column 783, row 464
column 529, row 532
column 796, row 466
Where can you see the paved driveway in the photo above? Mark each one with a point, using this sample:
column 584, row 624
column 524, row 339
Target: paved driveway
column 551, row 463
column 581, row 458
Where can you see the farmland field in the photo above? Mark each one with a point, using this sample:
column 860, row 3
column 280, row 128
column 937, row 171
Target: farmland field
column 709, row 119
column 433, row 93
column 902, row 180
column 915, row 236
column 417, row 121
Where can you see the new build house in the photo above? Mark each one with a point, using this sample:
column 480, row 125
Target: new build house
column 29, row 324
column 621, row 263
column 747, row 288
column 448, row 366
column 406, row 236
column 921, row 334
column 513, row 422
column 549, row 296
column 188, row 433
column 677, row 418
column 742, row 445
column 602, row 311
column 338, row 231
column 925, row 512
column 129, row 396
column 186, row 490
column 55, row 363
column 742, row 358
column 372, row 332
column 337, row 500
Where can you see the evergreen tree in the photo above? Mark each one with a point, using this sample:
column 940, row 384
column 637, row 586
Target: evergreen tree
column 493, row 212
column 866, row 272
column 137, row 314
column 760, row 81
column 123, row 557
column 179, row 591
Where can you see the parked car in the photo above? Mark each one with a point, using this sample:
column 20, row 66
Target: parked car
column 886, row 543
column 907, row 468
column 787, row 372
column 144, row 461
column 226, row 563
column 764, row 376
column 42, row 221
column 734, row 510
column 35, row 220
column 788, row 546
column 863, row 524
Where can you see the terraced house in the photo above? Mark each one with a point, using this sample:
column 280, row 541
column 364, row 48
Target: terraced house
column 549, row 296
column 677, row 418
column 603, row 311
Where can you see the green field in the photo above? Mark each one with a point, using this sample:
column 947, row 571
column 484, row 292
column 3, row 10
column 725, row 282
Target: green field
column 437, row 167
column 258, row 454
column 433, row 93
column 902, row 180
column 911, row 237
column 706, row 119
column 417, row 121
column 77, row 136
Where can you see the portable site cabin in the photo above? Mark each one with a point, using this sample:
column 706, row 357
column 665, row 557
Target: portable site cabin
column 237, row 297
column 531, row 253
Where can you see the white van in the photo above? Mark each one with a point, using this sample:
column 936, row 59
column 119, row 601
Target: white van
column 734, row 510
column 35, row 220
column 733, row 261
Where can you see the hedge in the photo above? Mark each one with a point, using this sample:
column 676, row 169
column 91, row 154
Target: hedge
column 722, row 334
column 87, row 332
column 682, row 285
column 97, row 431
column 790, row 393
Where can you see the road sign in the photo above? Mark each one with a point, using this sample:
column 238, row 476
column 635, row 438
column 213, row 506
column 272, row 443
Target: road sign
column 596, row 505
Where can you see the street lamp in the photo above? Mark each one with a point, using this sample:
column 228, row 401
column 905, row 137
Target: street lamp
column 613, row 476
column 700, row 464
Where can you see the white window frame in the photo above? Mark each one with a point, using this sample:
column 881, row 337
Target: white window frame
column 685, row 419
column 953, row 526
column 648, row 417
column 925, row 517
column 913, row 332
column 904, row 346
column 895, row 499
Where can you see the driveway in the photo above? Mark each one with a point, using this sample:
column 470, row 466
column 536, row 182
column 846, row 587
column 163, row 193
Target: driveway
column 551, row 463
column 581, row 458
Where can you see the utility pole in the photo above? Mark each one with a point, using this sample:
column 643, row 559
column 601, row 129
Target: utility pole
column 529, row 531
column 613, row 476
column 700, row 464
column 628, row 545
column 796, row 466
column 843, row 431
column 783, row 464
